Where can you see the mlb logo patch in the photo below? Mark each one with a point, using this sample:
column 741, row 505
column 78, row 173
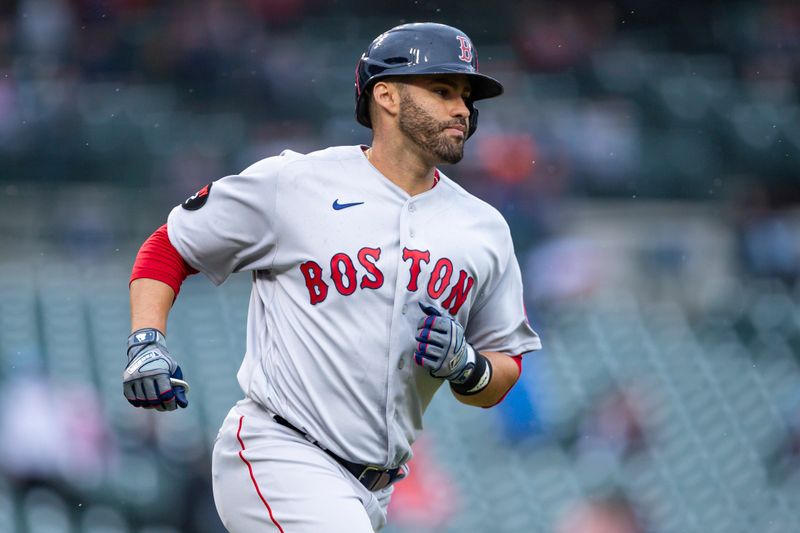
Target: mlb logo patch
column 198, row 199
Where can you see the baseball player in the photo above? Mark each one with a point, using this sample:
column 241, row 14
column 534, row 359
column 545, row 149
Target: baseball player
column 376, row 279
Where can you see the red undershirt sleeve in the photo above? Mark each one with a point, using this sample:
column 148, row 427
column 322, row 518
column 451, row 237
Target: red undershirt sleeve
column 159, row 260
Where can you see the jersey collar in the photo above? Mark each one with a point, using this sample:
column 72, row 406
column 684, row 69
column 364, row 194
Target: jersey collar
column 436, row 176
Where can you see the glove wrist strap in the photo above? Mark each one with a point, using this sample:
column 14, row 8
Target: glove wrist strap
column 145, row 336
column 479, row 378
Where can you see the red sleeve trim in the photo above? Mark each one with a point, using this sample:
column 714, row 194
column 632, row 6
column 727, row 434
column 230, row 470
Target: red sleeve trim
column 159, row 260
column 517, row 359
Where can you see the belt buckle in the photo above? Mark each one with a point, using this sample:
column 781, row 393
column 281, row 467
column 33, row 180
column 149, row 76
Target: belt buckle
column 367, row 470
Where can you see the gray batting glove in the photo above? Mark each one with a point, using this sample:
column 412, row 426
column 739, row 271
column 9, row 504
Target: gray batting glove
column 152, row 379
column 442, row 348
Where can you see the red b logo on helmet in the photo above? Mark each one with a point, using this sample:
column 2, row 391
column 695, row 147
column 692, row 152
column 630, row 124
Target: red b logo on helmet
column 466, row 49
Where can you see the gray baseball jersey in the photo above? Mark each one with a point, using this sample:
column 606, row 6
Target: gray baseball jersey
column 340, row 258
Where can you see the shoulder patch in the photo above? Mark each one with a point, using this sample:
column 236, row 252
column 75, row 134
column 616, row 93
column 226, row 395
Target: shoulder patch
column 198, row 199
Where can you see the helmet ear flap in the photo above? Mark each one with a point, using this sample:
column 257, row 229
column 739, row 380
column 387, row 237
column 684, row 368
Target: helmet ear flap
column 362, row 108
column 473, row 120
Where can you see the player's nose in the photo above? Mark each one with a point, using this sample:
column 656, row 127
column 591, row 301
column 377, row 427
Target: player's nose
column 460, row 109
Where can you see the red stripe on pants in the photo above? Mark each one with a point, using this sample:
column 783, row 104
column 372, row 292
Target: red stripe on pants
column 253, row 477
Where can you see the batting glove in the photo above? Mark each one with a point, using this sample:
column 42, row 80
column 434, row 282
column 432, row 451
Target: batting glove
column 152, row 379
column 442, row 348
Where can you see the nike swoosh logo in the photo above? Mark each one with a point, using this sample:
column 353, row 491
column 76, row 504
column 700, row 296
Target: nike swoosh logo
column 337, row 206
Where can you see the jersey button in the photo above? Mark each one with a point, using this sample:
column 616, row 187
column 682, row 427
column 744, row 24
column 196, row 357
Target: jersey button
column 412, row 208
column 401, row 363
column 411, row 232
column 404, row 309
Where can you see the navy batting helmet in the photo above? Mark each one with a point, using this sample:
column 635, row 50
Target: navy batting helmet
column 422, row 48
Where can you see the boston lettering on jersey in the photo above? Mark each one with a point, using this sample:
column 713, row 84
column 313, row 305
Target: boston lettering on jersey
column 344, row 275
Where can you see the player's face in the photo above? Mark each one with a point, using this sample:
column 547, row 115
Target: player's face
column 434, row 115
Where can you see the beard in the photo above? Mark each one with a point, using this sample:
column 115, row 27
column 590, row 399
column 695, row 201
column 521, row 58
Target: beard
column 428, row 133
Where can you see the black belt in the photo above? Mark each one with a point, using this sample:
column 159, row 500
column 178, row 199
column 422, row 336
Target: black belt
column 372, row 477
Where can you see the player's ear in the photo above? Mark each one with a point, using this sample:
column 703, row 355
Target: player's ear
column 385, row 99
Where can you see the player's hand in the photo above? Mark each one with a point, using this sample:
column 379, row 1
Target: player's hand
column 442, row 348
column 152, row 379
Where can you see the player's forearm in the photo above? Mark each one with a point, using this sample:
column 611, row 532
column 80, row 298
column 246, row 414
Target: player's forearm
column 151, row 301
column 505, row 373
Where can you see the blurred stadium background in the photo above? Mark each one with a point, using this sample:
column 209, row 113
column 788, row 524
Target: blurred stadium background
column 645, row 155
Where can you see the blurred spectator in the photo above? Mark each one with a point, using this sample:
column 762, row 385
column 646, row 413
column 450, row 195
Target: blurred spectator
column 279, row 12
column 32, row 435
column 87, row 440
column 614, row 427
column 86, row 233
column 552, row 36
column 50, row 435
column 192, row 167
column 611, row 514
column 45, row 27
column 523, row 177
column 8, row 108
column 609, row 432
column 426, row 500
column 508, row 157
column 563, row 268
column 767, row 242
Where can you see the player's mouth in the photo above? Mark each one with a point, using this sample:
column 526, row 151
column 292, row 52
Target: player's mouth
column 456, row 129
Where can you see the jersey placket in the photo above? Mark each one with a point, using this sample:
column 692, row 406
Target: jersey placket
column 398, row 369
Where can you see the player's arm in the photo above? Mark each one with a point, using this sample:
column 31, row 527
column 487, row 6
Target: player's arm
column 152, row 378
column 151, row 301
column 476, row 378
column 505, row 371
column 227, row 226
